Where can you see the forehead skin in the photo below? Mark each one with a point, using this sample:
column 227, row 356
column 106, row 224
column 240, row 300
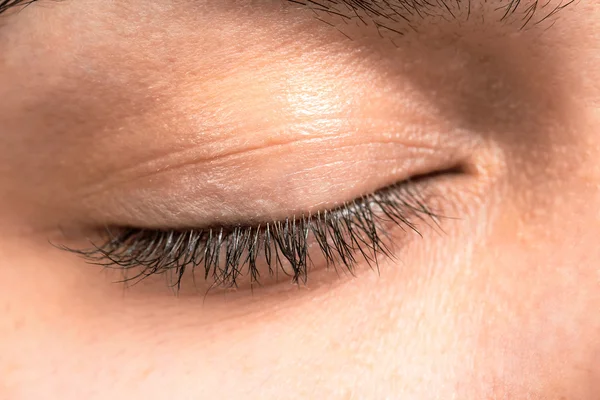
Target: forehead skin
column 502, row 305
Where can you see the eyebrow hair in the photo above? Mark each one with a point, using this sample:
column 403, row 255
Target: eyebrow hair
column 6, row 4
column 393, row 11
column 386, row 13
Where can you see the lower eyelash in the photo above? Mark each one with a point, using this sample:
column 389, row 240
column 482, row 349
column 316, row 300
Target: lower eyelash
column 356, row 230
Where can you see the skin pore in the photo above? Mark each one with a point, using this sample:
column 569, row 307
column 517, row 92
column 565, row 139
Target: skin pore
column 190, row 114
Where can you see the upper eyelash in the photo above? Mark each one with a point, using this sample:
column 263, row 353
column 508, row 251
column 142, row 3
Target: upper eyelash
column 357, row 229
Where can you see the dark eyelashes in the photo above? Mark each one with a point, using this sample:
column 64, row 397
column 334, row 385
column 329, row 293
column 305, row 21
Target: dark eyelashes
column 357, row 231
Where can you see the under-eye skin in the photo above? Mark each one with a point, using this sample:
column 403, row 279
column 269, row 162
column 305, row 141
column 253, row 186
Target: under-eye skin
column 358, row 231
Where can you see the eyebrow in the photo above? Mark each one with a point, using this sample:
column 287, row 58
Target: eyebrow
column 384, row 13
column 6, row 4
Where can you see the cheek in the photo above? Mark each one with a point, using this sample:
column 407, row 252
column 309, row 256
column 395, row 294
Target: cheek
column 532, row 283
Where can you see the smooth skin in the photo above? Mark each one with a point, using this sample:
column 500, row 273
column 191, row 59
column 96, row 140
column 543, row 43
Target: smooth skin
column 164, row 114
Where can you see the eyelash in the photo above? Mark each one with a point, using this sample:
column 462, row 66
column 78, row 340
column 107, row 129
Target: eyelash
column 359, row 229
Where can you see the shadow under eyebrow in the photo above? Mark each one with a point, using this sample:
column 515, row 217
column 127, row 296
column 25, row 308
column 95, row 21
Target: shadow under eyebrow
column 400, row 16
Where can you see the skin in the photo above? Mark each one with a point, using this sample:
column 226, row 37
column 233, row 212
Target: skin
column 175, row 114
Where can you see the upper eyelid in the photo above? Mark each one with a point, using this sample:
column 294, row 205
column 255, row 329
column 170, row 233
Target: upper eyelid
column 193, row 196
column 153, row 165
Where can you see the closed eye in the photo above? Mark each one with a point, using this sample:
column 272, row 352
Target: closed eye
column 357, row 232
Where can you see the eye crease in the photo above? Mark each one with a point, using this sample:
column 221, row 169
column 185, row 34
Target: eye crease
column 357, row 231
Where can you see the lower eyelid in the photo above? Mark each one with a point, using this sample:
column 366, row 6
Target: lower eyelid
column 360, row 232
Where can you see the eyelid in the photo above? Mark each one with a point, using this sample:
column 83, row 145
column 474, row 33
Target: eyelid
column 358, row 230
column 277, row 182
